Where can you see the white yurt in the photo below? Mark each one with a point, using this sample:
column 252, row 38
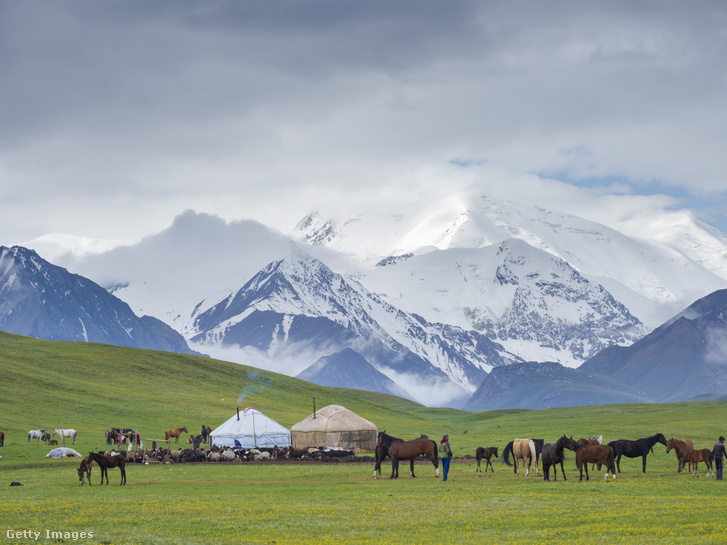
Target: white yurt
column 334, row 426
column 252, row 429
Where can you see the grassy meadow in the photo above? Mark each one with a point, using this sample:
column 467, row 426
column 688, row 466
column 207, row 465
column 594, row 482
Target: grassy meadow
column 93, row 387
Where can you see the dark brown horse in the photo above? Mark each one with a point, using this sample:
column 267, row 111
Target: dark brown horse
column 84, row 470
column 175, row 433
column 600, row 454
column 485, row 453
column 553, row 454
column 408, row 450
column 681, row 449
column 694, row 457
column 2, row 438
column 106, row 462
column 380, row 454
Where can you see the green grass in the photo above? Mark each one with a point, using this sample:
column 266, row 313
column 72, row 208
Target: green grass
column 93, row 387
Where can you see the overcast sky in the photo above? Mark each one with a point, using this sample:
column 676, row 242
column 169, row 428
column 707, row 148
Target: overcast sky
column 117, row 116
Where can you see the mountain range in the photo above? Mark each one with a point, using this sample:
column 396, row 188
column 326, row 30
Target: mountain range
column 435, row 305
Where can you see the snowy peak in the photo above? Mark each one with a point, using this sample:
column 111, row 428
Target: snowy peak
column 41, row 300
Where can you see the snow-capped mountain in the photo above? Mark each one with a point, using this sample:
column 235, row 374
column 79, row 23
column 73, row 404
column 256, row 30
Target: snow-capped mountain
column 654, row 275
column 41, row 300
column 299, row 306
column 434, row 299
column 533, row 303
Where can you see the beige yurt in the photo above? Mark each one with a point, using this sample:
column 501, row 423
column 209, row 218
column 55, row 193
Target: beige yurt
column 334, row 426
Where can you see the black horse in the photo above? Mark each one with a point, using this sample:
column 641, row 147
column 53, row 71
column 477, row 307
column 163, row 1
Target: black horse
column 553, row 454
column 634, row 449
column 380, row 454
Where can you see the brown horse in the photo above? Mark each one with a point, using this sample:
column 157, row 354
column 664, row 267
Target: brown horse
column 2, row 438
column 681, row 449
column 408, row 450
column 521, row 449
column 105, row 462
column 694, row 457
column 85, row 470
column 175, row 433
column 486, row 454
column 600, row 454
column 591, row 442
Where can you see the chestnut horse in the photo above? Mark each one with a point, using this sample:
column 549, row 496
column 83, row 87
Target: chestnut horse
column 175, row 433
column 105, row 462
column 681, row 449
column 521, row 449
column 485, row 453
column 399, row 449
column 600, row 454
column 694, row 457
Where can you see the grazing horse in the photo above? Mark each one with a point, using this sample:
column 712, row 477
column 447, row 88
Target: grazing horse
column 485, row 453
column 600, row 454
column 695, row 456
column 105, row 462
column 553, row 454
column 408, row 450
column 36, row 434
column 521, row 449
column 681, row 449
column 65, row 433
column 634, row 449
column 175, row 433
column 85, row 470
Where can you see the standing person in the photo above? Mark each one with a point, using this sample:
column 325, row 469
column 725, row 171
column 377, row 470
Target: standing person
column 719, row 452
column 445, row 454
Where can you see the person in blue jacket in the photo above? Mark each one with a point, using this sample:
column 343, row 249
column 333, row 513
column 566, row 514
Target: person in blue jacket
column 445, row 454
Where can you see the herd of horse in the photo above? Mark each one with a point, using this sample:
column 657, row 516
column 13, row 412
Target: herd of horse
column 43, row 435
column 530, row 451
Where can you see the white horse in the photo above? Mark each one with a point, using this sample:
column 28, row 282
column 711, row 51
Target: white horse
column 65, row 433
column 36, row 434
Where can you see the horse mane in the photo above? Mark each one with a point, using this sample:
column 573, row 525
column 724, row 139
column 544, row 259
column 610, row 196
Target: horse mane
column 388, row 439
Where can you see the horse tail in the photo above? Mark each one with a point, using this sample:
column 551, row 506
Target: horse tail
column 436, row 454
column 505, row 455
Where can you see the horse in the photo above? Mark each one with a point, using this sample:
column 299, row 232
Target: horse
column 105, row 462
column 634, row 449
column 85, row 470
column 591, row 442
column 600, row 454
column 408, row 450
column 2, row 438
column 380, row 454
column 36, row 434
column 553, row 454
column 681, row 449
column 521, row 449
column 485, row 453
column 693, row 458
column 174, row 433
column 65, row 433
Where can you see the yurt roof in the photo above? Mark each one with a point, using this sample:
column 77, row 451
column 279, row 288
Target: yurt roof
column 333, row 418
